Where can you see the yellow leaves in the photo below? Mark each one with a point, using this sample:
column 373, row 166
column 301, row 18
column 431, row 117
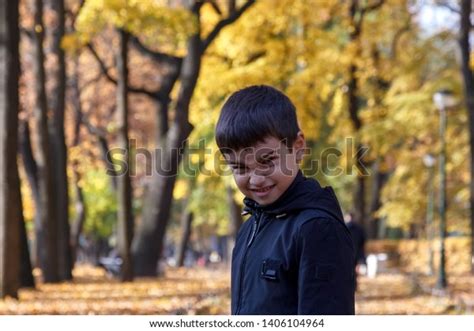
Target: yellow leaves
column 94, row 293
column 399, row 294
column 202, row 291
column 181, row 189
column 339, row 105
column 156, row 23
column 72, row 42
column 27, row 200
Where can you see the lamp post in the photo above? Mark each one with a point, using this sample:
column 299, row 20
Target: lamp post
column 429, row 161
column 443, row 99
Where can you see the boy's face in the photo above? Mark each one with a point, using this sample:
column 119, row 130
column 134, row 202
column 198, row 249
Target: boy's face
column 264, row 171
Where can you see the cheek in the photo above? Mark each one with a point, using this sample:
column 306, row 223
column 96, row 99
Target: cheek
column 241, row 181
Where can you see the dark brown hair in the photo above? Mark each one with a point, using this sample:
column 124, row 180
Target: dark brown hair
column 254, row 113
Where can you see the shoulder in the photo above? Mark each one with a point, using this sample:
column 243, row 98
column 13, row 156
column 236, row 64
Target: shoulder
column 316, row 217
column 317, row 224
column 324, row 235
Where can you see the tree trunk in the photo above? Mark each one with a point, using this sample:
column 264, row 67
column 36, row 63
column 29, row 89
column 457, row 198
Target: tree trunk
column 10, row 203
column 359, row 202
column 356, row 16
column 235, row 215
column 79, row 204
column 468, row 79
column 125, row 214
column 26, row 270
column 31, row 170
column 379, row 180
column 186, row 222
column 353, row 107
column 47, row 239
column 59, row 160
column 147, row 248
column 148, row 244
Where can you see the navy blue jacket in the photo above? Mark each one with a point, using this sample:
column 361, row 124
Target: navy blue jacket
column 294, row 256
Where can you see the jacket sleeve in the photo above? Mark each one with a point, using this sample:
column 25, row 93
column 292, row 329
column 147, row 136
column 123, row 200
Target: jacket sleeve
column 326, row 268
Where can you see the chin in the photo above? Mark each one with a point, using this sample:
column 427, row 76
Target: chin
column 264, row 202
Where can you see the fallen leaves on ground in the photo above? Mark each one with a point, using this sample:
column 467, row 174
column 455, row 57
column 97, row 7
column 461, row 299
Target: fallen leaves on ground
column 207, row 291
column 402, row 294
column 180, row 291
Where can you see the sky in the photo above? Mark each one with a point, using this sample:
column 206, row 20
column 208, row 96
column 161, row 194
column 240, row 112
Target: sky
column 434, row 18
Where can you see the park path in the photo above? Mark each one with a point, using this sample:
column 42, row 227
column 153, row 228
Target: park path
column 206, row 291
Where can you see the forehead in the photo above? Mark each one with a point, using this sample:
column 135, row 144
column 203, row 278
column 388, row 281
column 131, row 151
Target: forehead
column 269, row 146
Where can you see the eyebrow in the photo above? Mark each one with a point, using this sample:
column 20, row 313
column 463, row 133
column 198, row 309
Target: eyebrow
column 235, row 163
column 261, row 158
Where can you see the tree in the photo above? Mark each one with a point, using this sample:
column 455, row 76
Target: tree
column 155, row 22
column 11, row 216
column 124, row 190
column 186, row 222
column 80, row 206
column 31, row 169
column 148, row 243
column 26, row 270
column 468, row 80
column 306, row 50
column 356, row 16
column 47, row 229
column 58, row 148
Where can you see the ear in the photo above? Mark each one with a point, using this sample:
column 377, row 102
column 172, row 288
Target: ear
column 299, row 146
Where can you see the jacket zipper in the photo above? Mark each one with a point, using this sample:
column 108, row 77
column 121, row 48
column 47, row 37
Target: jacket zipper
column 255, row 227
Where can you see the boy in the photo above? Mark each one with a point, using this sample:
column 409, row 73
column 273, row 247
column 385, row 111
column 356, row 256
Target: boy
column 294, row 255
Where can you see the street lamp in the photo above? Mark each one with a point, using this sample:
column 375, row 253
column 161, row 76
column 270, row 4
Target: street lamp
column 443, row 99
column 429, row 161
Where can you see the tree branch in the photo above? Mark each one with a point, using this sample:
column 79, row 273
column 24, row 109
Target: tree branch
column 73, row 15
column 396, row 38
column 28, row 33
column 223, row 23
column 154, row 94
column 105, row 71
column 373, row 6
column 156, row 56
column 447, row 5
column 368, row 9
column 215, row 6
column 231, row 6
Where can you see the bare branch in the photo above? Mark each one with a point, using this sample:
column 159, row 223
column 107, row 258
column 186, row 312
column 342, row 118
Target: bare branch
column 231, row 6
column 156, row 56
column 215, row 6
column 76, row 14
column 105, row 72
column 91, row 81
column 28, row 33
column 373, row 6
column 449, row 6
column 397, row 37
column 96, row 131
column 223, row 23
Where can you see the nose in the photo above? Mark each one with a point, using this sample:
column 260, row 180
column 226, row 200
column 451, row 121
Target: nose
column 256, row 179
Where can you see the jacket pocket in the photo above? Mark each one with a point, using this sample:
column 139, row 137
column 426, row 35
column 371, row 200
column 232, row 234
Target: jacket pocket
column 270, row 270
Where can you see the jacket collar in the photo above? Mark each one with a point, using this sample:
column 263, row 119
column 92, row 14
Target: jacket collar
column 282, row 205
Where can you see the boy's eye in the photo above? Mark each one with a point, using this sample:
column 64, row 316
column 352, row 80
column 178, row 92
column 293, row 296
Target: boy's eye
column 238, row 169
column 268, row 162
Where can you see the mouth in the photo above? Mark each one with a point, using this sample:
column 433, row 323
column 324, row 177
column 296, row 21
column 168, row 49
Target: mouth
column 261, row 192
